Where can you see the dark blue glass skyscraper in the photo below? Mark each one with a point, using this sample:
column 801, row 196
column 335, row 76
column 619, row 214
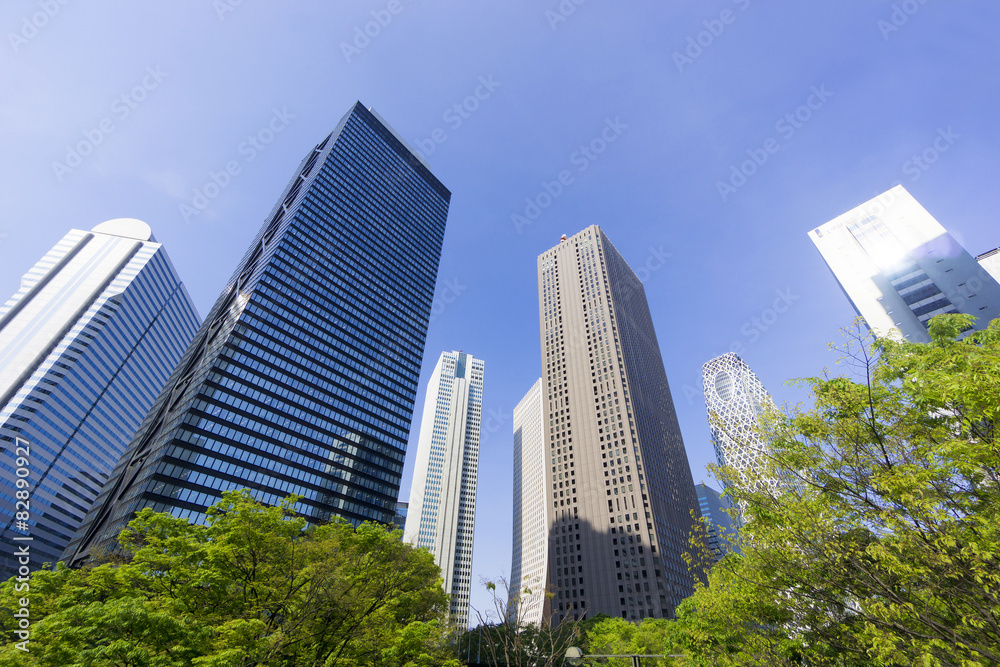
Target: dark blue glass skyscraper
column 302, row 379
column 721, row 531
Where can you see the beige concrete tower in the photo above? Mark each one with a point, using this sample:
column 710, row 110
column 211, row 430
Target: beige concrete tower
column 619, row 493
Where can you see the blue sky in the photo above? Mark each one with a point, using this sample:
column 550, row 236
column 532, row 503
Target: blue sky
column 832, row 102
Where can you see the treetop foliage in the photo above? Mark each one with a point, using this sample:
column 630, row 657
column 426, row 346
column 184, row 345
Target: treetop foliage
column 883, row 549
column 253, row 587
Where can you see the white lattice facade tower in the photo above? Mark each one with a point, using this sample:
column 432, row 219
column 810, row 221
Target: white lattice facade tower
column 735, row 400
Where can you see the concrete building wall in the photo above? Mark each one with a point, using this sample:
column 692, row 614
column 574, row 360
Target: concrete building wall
column 618, row 486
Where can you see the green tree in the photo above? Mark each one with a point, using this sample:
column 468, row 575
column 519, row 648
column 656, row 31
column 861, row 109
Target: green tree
column 616, row 636
column 883, row 549
column 252, row 587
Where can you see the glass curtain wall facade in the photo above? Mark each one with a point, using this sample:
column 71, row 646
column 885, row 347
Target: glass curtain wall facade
column 619, row 493
column 86, row 345
column 441, row 515
column 399, row 521
column 302, row 379
column 721, row 530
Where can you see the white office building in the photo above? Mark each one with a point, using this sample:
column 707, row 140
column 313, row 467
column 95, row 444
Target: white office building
column 441, row 515
column 990, row 261
column 529, row 560
column 900, row 268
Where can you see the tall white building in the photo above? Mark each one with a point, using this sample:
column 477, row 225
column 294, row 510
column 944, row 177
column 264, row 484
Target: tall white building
column 441, row 515
column 86, row 345
column 735, row 400
column 900, row 268
column 529, row 561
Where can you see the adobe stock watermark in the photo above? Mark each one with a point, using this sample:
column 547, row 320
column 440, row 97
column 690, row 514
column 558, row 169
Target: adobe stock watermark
column 363, row 35
column 491, row 422
column 656, row 259
column 457, row 114
column 448, row 294
column 31, row 25
column 223, row 7
column 880, row 202
column 915, row 167
column 563, row 11
column 121, row 108
column 22, row 524
column 786, row 126
column 714, row 27
column 249, row 149
column 900, row 16
column 581, row 158
column 921, row 162
column 752, row 330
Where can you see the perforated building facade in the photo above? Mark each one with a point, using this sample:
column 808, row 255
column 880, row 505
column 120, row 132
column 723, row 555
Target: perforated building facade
column 735, row 400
